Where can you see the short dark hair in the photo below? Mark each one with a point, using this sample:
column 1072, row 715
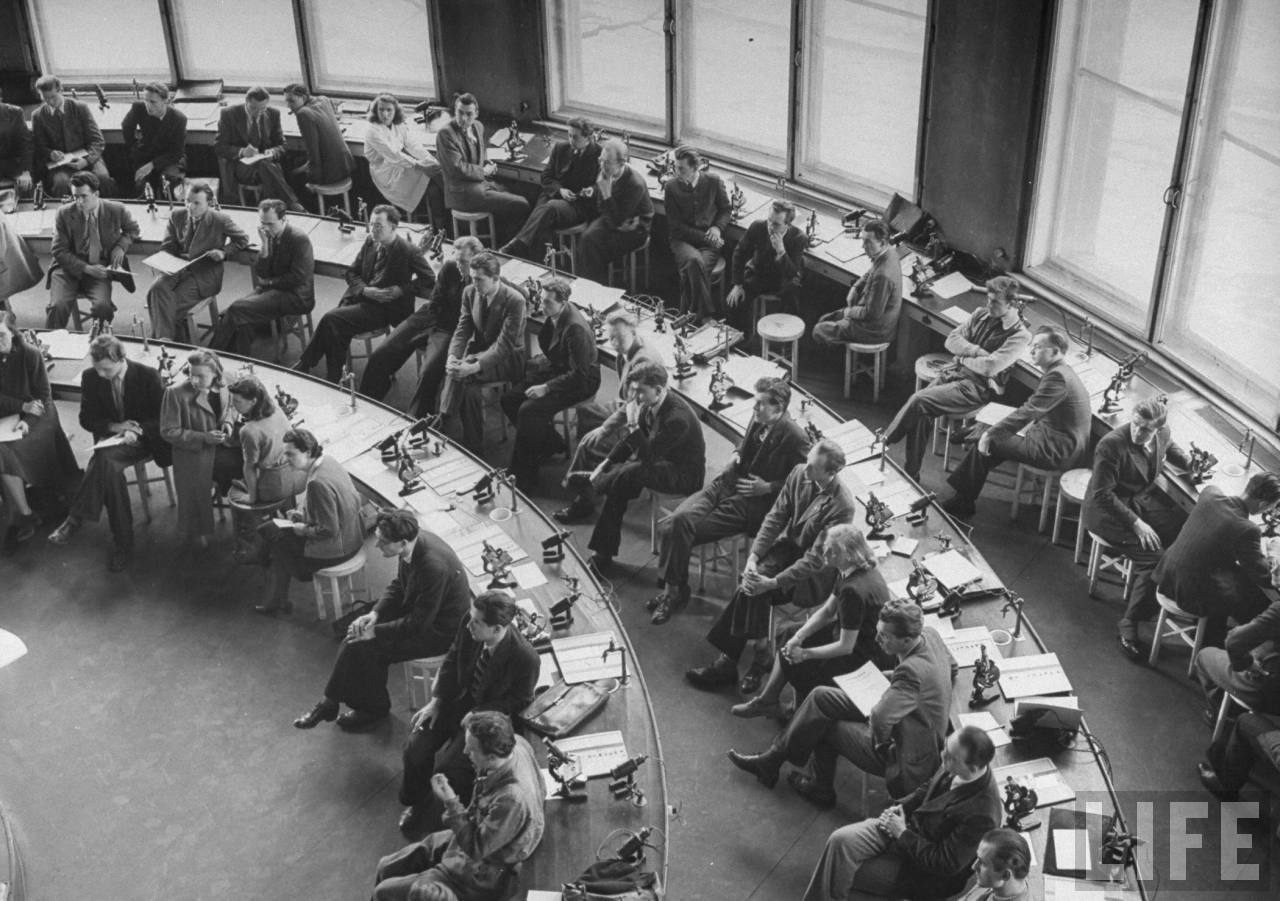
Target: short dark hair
column 205, row 357
column 497, row 608
column 257, row 94
column 786, row 207
column 466, row 98
column 297, row 90
column 834, row 456
column 201, row 187
column 1012, row 855
column 155, row 87
column 250, row 388
column 1264, row 486
column 273, row 204
column 492, row 732
column 1004, row 287
column 904, row 618
column 579, row 123
column 777, row 391
column 1152, row 409
column 86, row 179
column 688, row 154
column 386, row 209
column 1057, row 337
column 48, row 83
column 878, row 229
column 385, row 98
column 976, row 746
column 623, row 317
column 559, row 287
column 106, row 347
column 487, row 263
column 304, row 441
column 651, row 375
column 397, row 525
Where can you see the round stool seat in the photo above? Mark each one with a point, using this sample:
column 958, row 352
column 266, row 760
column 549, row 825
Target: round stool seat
column 781, row 327
column 1075, row 483
column 469, row 217
column 345, row 568
column 929, row 365
column 1170, row 607
column 338, row 187
column 265, row 507
column 857, row 348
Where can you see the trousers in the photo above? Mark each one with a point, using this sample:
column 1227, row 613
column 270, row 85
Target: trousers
column 533, row 417
column 969, row 477
column 1167, row 521
column 436, row 749
column 64, row 288
column 234, row 331
column 336, row 328
column 104, row 485
column 715, row 512
column 359, row 677
column 746, row 616
column 694, row 266
column 826, row 726
column 844, row 853
column 913, row 420
column 289, row 560
column 547, row 217
column 268, row 174
column 623, row 484
column 1254, row 737
column 410, row 335
column 169, row 299
column 601, row 245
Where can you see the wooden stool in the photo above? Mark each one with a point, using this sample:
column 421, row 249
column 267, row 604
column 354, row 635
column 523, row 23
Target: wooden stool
column 853, row 369
column 928, row 366
column 491, row 397
column 760, row 308
column 658, row 511
column 942, row 428
column 627, row 269
column 367, row 339
column 488, row 236
column 418, row 678
column 143, row 483
column 567, row 419
column 781, row 328
column 566, row 242
column 1100, row 561
column 294, row 324
column 337, row 584
column 715, row 280
column 1174, row 621
column 337, row 189
column 1224, row 708
column 78, row 315
column 255, row 189
column 727, row 549
column 1073, row 487
column 1025, row 481
column 197, row 331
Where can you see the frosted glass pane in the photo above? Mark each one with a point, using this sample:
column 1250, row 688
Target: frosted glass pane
column 243, row 42
column 372, row 46
column 69, row 31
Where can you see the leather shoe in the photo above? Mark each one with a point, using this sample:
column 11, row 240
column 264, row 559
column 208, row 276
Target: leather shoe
column 720, row 674
column 578, row 511
column 1132, row 650
column 758, row 706
column 601, row 564
column 411, row 821
column 756, row 674
column 324, row 712
column 671, row 600
column 117, row 560
column 763, row 766
column 359, row 720
column 807, row 788
column 26, row 526
column 1210, row 780
column 62, row 534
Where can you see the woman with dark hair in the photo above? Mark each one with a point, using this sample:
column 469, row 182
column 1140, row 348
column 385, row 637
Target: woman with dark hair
column 267, row 474
column 399, row 163
column 41, row 456
column 325, row 528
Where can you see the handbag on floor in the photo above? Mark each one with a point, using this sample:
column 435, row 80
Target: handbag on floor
column 563, row 708
column 615, row 879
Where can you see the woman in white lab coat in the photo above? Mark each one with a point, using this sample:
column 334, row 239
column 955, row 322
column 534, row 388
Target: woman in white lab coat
column 398, row 160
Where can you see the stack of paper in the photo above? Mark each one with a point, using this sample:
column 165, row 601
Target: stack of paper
column 865, row 686
column 1041, row 775
column 952, row 285
column 64, row 345
column 1035, row 674
column 966, row 645
column 988, row 724
column 952, row 569
column 596, row 753
column 582, row 658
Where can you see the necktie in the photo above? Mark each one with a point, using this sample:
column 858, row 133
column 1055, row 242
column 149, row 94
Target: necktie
column 189, row 234
column 255, row 132
column 95, row 239
column 117, row 395
column 477, row 674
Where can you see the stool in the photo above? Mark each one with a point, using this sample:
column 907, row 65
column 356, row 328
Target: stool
column 1221, row 722
column 1100, row 561
column 1073, row 487
column 421, row 672
column 497, row 389
column 78, row 315
column 245, row 189
column 337, row 583
column 293, row 324
column 195, row 330
column 246, row 517
column 628, row 268
column 488, row 236
column 928, row 366
column 1174, row 621
column 760, row 307
column 567, row 419
column 143, row 483
column 337, row 189
column 566, row 242
column 781, row 328
column 367, row 338
column 1025, row 481
column 657, row 512
column 942, row 427
column 727, row 549
column 715, row 281
column 853, row 369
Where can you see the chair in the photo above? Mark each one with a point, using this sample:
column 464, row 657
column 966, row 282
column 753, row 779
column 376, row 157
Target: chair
column 294, row 324
column 928, row 366
column 337, row 584
column 1072, row 488
column 143, row 482
column 1173, row 621
column 726, row 549
column 418, row 678
column 197, row 331
column 367, row 339
column 784, row 329
column 853, row 368
column 1027, row 480
column 1100, row 561
column 567, row 419
column 256, row 190
column 566, row 242
column 942, row 428
column 488, row 236
column 491, row 398
column 628, row 268
column 1224, row 708
column 78, row 315
column 658, row 511
column 760, row 307
column 715, row 281
column 337, row 189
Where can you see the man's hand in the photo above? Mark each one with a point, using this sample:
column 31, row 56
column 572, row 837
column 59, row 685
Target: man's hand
column 757, row 584
column 490, row 168
column 753, row 486
column 117, row 257
column 300, row 529
column 713, row 237
column 130, row 438
column 566, row 194
column 22, row 428
column 775, row 239
column 451, row 365
column 467, row 369
column 55, row 156
column 25, row 182
column 442, row 789
column 380, row 295
column 629, row 224
column 735, row 296
column 33, row 408
column 536, row 391
column 247, row 151
column 143, row 171
column 79, row 163
column 1147, row 536
column 217, row 255
column 361, row 628
column 984, row 443
column 96, row 270
column 892, row 822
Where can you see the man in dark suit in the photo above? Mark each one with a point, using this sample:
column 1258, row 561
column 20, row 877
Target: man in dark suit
column 249, row 147
column 698, row 212
column 1057, row 418
column 490, row 666
column 418, row 616
column 379, row 293
column 900, row 739
column 119, row 401
column 195, row 232
column 567, row 373
column 1252, row 738
column 329, row 159
column 664, row 452
column 487, row 346
column 155, row 133
column 428, row 329
column 874, row 302
column 768, row 260
column 283, row 279
column 467, row 172
column 623, row 212
column 785, row 565
column 15, row 148
column 568, row 183
column 1217, row 566
column 924, row 845
column 90, row 236
column 738, row 499
column 67, row 140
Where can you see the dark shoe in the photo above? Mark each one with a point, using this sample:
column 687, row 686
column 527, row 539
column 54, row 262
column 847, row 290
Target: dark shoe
column 273, row 609
column 25, row 527
column 763, row 766
column 360, row 720
column 118, row 559
column 807, row 788
column 324, row 712
column 674, row 598
column 602, row 564
column 759, row 706
column 578, row 511
column 1209, row 779
column 720, row 674
column 1133, row 650
column 411, row 821
column 756, row 674
column 62, row 534
column 959, row 507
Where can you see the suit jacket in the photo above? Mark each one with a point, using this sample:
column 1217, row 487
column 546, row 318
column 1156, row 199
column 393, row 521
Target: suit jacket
column 1217, row 558
column 628, row 198
column 493, row 335
column 233, row 133
column 291, row 266
column 1123, row 483
column 564, row 170
column 755, row 258
column 691, row 211
column 876, row 298
column 571, row 366
column 161, row 142
column 783, row 449
column 396, row 270
column 799, row 517
column 1059, row 416
column 116, row 228
column 427, row 600
column 214, row 230
column 944, row 828
column 508, row 681
column 333, row 508
column 639, row 353
column 328, row 157
column 669, row 439
column 143, row 393
column 909, row 724
column 445, row 303
column 72, row 129
column 461, row 164
column 15, row 141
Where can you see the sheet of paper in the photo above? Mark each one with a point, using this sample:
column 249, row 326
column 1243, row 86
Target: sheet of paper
column 943, row 627
column 865, row 686
column 596, row 752
column 64, row 345
column 966, row 645
column 548, row 672
column 903, row 546
column 951, row 285
column 988, row 724
column 11, row 648
column 282, row 523
column 539, row 895
column 993, row 412
column 113, row 441
column 581, row 658
column 528, row 575
column 1034, row 674
column 956, row 315
column 1072, row 849
column 517, row 270
column 952, row 569
column 163, row 261
column 9, row 428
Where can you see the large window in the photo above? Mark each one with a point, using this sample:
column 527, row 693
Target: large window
column 87, row 41
column 243, row 42
column 860, row 97
column 372, row 46
column 607, row 60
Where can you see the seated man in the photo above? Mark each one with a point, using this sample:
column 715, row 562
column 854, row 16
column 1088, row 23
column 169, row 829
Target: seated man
column 283, row 280
column 1253, row 738
column 567, row 374
column 487, row 346
column 623, row 212
column 1056, row 420
column 379, row 294
column 118, row 399
column 1217, row 566
column 664, row 452
column 985, row 347
column 429, row 329
column 417, row 616
column 901, row 737
column 923, row 846
column 490, row 666
column 1128, row 510
column 329, row 160
column 785, row 565
column 698, row 212
column 568, row 181
column 874, row 302
column 15, row 149
column 769, row 259
column 67, row 140
column 199, row 232
column 1001, row 868
column 155, row 134
column 467, row 172
column 602, row 427
column 90, row 236
column 738, row 499
column 249, row 147
column 478, row 855
column 1249, row 666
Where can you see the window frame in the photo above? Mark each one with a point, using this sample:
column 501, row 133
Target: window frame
column 172, row 17
column 303, row 14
